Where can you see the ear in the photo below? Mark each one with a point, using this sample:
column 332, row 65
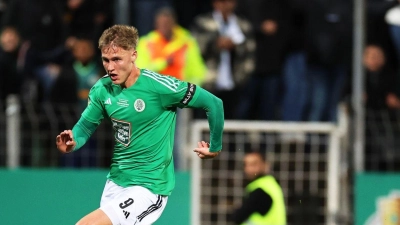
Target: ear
column 134, row 56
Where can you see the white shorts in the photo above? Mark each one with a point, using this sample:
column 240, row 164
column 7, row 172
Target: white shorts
column 132, row 205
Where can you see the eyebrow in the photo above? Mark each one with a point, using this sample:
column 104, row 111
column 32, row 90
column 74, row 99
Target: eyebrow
column 112, row 58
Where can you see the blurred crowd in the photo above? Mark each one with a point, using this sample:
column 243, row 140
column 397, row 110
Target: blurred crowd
column 267, row 60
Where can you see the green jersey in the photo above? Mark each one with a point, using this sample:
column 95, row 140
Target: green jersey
column 143, row 117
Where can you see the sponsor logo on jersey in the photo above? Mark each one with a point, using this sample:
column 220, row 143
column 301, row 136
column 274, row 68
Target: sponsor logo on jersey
column 122, row 131
column 191, row 89
column 139, row 105
column 107, row 102
column 123, row 103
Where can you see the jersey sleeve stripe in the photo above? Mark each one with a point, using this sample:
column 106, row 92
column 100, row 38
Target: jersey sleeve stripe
column 172, row 86
column 163, row 77
column 167, row 79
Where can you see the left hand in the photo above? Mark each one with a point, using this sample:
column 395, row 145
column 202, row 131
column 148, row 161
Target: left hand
column 203, row 151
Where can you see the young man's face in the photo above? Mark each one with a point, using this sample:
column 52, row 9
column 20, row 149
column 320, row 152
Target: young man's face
column 254, row 166
column 118, row 62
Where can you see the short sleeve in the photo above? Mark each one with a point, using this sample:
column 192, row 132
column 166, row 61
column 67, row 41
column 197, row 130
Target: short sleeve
column 94, row 110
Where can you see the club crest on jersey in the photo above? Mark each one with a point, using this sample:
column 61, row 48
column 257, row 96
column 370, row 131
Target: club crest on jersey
column 139, row 105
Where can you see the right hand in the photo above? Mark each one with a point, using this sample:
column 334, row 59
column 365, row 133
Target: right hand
column 203, row 151
column 65, row 141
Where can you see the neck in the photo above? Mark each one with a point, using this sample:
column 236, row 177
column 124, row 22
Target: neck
column 167, row 35
column 132, row 78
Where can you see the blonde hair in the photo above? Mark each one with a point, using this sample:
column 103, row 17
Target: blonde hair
column 123, row 36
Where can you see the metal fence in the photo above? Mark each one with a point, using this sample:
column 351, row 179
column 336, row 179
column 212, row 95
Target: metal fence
column 34, row 142
column 2, row 135
column 382, row 145
column 28, row 134
column 312, row 172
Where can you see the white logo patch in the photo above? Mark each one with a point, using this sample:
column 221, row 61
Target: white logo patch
column 107, row 102
column 139, row 105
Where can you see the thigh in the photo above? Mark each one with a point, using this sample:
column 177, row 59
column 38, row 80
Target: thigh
column 135, row 205
column 110, row 192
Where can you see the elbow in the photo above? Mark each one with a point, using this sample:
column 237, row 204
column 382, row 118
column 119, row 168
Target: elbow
column 220, row 104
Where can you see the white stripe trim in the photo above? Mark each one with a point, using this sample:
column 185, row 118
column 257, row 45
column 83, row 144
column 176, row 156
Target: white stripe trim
column 168, row 79
column 163, row 77
column 162, row 81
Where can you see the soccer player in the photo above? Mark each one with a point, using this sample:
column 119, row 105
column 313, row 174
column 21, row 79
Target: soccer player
column 141, row 105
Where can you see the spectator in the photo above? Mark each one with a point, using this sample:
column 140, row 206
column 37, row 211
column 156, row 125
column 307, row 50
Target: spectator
column 85, row 18
column 143, row 12
column 171, row 50
column 328, row 45
column 77, row 78
column 72, row 88
column 270, row 20
column 380, row 85
column 382, row 111
column 227, row 46
column 40, row 23
column 264, row 202
column 11, row 60
column 294, row 74
column 295, row 79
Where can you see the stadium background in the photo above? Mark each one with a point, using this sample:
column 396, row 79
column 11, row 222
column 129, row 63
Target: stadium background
column 343, row 173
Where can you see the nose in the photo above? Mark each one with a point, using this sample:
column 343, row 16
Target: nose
column 109, row 67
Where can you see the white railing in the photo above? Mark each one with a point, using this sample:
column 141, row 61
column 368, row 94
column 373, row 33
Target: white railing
column 13, row 132
column 337, row 137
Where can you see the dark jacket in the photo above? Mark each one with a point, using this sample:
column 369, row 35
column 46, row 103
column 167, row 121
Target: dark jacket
column 271, row 49
column 329, row 32
column 205, row 30
column 378, row 85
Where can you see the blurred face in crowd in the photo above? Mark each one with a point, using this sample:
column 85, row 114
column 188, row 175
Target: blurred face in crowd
column 83, row 51
column 118, row 62
column 164, row 24
column 226, row 7
column 374, row 58
column 254, row 166
column 9, row 40
column 74, row 4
